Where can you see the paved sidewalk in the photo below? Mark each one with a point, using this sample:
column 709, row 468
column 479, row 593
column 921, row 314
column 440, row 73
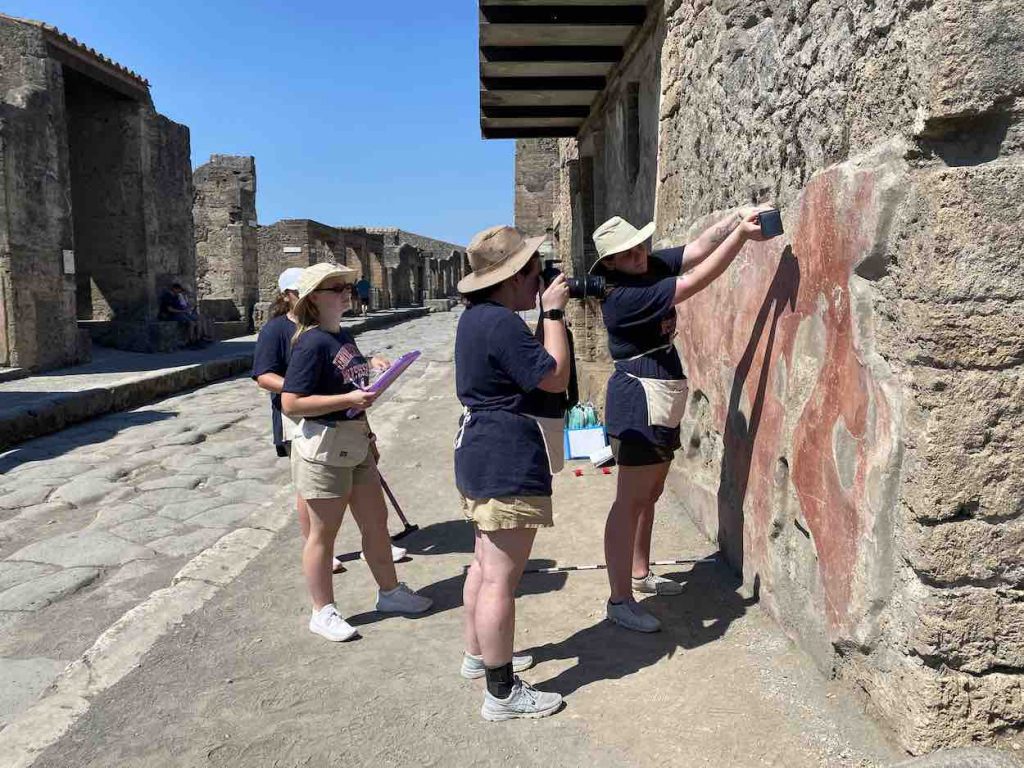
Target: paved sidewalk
column 117, row 380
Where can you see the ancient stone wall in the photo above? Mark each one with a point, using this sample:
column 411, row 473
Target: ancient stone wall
column 536, row 184
column 224, row 214
column 37, row 284
column 853, row 436
column 96, row 197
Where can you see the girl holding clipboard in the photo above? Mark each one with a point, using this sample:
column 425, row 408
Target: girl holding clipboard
column 333, row 466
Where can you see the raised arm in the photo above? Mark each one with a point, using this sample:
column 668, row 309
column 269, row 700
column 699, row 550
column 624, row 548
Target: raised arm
column 713, row 265
column 715, row 235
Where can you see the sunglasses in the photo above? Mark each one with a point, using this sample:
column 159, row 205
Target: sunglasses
column 335, row 289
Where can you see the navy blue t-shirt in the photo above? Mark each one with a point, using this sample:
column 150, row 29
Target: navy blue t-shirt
column 640, row 315
column 499, row 450
column 273, row 347
column 325, row 363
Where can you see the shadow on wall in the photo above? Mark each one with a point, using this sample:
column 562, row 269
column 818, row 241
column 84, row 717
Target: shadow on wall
column 740, row 432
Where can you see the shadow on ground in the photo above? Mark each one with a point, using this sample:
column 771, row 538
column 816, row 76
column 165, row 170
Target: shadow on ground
column 447, row 594
column 51, row 446
column 701, row 614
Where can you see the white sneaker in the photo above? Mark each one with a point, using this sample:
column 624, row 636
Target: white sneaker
column 328, row 623
column 524, row 701
column 397, row 553
column 656, row 585
column 630, row 615
column 401, row 599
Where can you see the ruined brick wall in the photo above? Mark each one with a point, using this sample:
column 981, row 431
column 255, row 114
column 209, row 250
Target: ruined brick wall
column 38, row 327
column 224, row 212
column 536, row 184
column 853, row 441
column 167, row 205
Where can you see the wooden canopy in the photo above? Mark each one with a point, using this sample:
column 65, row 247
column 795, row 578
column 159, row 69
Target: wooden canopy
column 544, row 62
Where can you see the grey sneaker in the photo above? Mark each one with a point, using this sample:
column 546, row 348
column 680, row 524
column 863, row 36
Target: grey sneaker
column 524, row 701
column 401, row 599
column 473, row 666
column 630, row 615
column 656, row 585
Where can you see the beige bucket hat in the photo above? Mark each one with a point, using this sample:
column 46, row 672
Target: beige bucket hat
column 312, row 277
column 496, row 254
column 617, row 235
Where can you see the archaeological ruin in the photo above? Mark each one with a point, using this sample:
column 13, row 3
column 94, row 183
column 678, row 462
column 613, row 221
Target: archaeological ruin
column 854, row 438
column 102, row 213
column 96, row 201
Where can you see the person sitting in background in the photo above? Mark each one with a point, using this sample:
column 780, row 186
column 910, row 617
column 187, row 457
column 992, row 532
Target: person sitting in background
column 174, row 305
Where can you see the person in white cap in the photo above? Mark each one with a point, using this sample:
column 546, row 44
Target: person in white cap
column 333, row 466
column 504, row 456
column 269, row 364
column 647, row 391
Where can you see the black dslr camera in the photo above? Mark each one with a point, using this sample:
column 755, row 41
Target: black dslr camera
column 589, row 286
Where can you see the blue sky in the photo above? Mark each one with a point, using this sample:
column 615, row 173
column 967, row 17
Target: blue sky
column 357, row 112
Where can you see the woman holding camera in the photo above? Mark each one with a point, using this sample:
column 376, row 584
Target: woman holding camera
column 333, row 464
column 647, row 391
column 504, row 456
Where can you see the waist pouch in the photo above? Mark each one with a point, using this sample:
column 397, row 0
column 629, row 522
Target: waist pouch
column 338, row 444
column 666, row 400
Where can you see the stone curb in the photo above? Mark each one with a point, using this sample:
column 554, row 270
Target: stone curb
column 42, row 418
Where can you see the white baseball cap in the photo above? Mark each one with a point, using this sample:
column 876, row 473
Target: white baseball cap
column 289, row 279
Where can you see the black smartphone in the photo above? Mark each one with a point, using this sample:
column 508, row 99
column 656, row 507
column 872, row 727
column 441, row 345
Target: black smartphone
column 770, row 222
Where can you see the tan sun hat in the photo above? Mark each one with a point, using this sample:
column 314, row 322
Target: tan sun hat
column 312, row 277
column 496, row 254
column 617, row 235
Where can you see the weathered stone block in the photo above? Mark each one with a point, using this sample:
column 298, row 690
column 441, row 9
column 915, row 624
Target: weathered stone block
column 972, row 629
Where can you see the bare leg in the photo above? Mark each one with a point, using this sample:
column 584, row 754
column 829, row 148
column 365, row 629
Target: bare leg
column 634, row 492
column 645, row 525
column 504, row 555
column 303, row 510
column 470, row 590
column 371, row 516
column 325, row 516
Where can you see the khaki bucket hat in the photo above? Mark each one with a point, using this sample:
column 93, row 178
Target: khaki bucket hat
column 496, row 254
column 617, row 235
column 312, row 277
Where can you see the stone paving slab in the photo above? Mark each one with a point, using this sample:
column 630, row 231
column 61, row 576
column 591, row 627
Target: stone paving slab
column 24, row 680
column 40, row 592
column 83, row 548
column 116, row 380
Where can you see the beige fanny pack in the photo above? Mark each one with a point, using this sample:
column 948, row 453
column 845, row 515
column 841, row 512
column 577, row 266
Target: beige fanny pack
column 666, row 400
column 553, row 433
column 289, row 427
column 344, row 444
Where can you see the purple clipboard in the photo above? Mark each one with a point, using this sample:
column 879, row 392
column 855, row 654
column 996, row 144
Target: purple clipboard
column 387, row 378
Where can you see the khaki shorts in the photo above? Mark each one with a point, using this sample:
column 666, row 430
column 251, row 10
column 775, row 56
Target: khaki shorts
column 509, row 512
column 323, row 481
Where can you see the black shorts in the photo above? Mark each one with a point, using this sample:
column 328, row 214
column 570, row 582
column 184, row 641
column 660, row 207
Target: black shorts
column 284, row 449
column 640, row 453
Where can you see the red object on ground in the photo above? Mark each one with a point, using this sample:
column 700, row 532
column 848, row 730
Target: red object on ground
column 578, row 472
column 605, row 471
